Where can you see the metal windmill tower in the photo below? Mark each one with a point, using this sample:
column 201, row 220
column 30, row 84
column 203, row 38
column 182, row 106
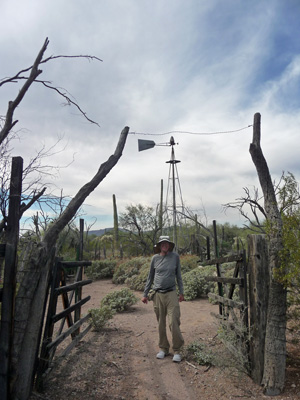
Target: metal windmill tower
column 174, row 207
column 174, row 213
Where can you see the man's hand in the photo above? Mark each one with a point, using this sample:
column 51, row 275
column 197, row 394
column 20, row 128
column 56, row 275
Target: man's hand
column 181, row 298
column 145, row 300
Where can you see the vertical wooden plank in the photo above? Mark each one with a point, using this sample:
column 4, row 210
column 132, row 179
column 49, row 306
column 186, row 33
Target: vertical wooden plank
column 45, row 356
column 2, row 257
column 243, row 288
column 66, row 301
column 259, row 282
column 243, row 292
column 9, row 287
column 81, row 232
column 220, row 286
column 78, row 293
column 208, row 247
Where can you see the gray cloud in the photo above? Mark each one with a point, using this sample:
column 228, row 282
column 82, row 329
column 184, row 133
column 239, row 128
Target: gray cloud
column 167, row 66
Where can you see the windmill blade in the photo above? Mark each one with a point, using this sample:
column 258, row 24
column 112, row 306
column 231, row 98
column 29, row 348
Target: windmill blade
column 145, row 144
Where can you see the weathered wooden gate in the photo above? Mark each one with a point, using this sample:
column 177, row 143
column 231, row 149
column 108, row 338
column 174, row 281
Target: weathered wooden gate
column 233, row 310
column 59, row 287
column 233, row 304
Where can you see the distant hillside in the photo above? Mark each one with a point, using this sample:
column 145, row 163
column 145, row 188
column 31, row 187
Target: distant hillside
column 100, row 232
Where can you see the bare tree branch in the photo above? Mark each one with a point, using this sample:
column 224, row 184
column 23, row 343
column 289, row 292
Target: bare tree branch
column 12, row 105
column 34, row 73
column 253, row 201
column 18, row 76
column 52, row 233
column 25, row 207
column 69, row 100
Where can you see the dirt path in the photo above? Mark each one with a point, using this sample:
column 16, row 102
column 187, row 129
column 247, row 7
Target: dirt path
column 120, row 363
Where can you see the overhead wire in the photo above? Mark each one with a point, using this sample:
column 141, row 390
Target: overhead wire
column 189, row 132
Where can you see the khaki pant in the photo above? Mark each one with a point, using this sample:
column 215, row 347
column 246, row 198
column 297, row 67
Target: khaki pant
column 167, row 304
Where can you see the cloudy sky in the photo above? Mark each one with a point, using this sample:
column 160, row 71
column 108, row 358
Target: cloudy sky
column 199, row 66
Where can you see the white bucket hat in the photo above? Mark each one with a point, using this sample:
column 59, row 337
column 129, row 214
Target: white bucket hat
column 163, row 239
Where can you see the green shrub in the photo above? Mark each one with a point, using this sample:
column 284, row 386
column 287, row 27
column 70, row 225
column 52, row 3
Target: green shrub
column 236, row 341
column 128, row 269
column 100, row 316
column 101, row 269
column 194, row 282
column 199, row 353
column 137, row 282
column 119, row 300
column 188, row 263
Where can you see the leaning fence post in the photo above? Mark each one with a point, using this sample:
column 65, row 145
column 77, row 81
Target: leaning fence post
column 9, row 287
column 258, row 298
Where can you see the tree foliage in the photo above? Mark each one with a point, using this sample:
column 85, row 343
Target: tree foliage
column 142, row 225
column 289, row 272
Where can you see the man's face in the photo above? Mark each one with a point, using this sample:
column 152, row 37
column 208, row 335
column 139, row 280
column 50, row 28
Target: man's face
column 164, row 247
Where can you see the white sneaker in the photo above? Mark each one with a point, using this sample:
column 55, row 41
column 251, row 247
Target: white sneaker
column 177, row 358
column 161, row 354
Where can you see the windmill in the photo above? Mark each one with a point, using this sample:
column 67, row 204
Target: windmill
column 174, row 215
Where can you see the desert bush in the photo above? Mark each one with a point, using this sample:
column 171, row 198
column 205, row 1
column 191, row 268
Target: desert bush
column 194, row 282
column 199, row 353
column 128, row 269
column 101, row 269
column 119, row 300
column 137, row 282
column 100, row 316
column 236, row 339
column 188, row 263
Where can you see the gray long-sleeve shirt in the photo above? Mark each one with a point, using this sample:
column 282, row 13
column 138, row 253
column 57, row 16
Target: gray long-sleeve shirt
column 164, row 272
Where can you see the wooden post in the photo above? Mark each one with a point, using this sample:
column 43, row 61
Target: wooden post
column 81, row 232
column 45, row 354
column 244, row 314
column 220, row 286
column 160, row 220
column 78, row 293
column 116, row 223
column 208, row 247
column 9, row 287
column 242, row 267
column 259, row 281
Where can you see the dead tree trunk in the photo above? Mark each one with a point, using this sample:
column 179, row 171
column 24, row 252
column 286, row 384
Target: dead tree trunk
column 259, row 279
column 32, row 292
column 275, row 342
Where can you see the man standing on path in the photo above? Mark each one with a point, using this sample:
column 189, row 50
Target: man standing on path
column 165, row 270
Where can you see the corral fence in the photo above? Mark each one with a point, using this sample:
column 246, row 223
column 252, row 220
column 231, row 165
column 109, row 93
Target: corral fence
column 70, row 315
column 242, row 301
column 251, row 303
column 59, row 285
